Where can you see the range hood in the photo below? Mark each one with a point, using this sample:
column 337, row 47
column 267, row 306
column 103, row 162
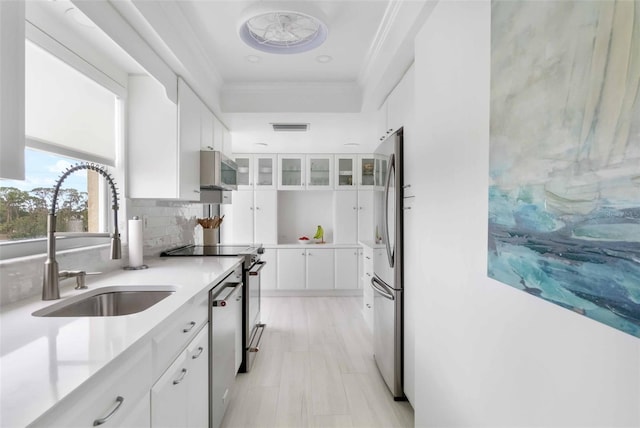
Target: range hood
column 215, row 196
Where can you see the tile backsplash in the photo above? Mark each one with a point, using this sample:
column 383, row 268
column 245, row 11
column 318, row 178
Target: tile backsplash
column 167, row 224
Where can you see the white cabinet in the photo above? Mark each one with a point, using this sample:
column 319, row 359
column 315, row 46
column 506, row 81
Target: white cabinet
column 346, row 268
column 265, row 172
column 257, row 172
column 319, row 172
column 245, row 171
column 366, row 167
column 320, row 269
column 380, row 172
column 189, row 142
column 291, row 172
column 227, row 143
column 305, row 172
column 367, row 291
column 292, row 266
column 269, row 273
column 164, row 141
column 306, row 269
column 169, row 396
column 400, row 103
column 180, row 398
column 198, row 380
column 12, row 88
column 345, row 217
column 345, row 176
column 252, row 217
column 119, row 397
column 366, row 229
column 207, row 118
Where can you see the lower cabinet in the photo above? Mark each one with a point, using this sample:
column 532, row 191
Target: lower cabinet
column 119, row 398
column 320, row 269
column 347, row 268
column 292, row 265
column 367, row 291
column 316, row 268
column 180, row 398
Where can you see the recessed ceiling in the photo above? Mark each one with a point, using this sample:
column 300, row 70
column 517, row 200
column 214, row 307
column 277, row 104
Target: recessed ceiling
column 352, row 26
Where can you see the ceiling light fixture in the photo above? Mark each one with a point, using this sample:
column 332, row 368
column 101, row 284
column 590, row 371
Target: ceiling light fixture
column 283, row 32
column 253, row 59
column 323, row 59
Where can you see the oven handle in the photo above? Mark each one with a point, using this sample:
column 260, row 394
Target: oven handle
column 260, row 265
column 233, row 286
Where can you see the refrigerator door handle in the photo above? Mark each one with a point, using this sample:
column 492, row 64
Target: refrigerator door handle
column 391, row 170
column 381, row 288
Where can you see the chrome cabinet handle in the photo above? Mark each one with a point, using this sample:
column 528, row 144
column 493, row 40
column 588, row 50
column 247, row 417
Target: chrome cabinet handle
column 188, row 329
column 195, row 356
column 119, row 401
column 196, row 191
column 183, row 373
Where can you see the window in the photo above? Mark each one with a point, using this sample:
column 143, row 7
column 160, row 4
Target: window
column 69, row 118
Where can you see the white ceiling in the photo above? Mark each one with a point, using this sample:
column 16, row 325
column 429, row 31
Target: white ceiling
column 352, row 29
column 370, row 42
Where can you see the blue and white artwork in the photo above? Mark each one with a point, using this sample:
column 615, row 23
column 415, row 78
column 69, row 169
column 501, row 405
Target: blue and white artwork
column 564, row 195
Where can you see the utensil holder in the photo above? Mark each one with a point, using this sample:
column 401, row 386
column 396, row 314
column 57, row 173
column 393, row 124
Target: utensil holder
column 210, row 236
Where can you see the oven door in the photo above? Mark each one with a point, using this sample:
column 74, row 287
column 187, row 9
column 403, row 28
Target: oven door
column 254, row 328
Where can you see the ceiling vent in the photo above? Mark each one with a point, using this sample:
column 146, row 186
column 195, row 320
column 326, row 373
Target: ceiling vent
column 290, row 127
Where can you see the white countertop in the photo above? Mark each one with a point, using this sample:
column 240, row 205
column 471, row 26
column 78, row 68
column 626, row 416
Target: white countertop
column 371, row 244
column 312, row 245
column 43, row 359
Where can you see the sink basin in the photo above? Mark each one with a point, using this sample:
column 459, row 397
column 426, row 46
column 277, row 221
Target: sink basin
column 107, row 302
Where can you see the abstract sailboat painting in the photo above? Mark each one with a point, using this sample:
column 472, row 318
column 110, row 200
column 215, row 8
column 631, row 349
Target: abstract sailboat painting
column 564, row 186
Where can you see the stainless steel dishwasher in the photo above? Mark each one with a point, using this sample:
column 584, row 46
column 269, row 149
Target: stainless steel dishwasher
column 225, row 326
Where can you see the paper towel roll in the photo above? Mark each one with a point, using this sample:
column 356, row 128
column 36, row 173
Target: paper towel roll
column 135, row 242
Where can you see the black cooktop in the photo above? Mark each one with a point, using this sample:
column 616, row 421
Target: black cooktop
column 209, row 250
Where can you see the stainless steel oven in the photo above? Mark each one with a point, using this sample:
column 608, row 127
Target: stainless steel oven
column 252, row 328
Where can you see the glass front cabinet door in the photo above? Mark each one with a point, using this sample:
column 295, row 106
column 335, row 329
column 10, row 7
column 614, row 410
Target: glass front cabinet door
column 380, row 172
column 319, row 171
column 291, row 172
column 345, row 173
column 264, row 171
column 366, row 167
column 245, row 180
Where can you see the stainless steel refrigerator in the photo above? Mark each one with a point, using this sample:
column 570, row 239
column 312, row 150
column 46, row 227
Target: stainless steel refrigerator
column 387, row 281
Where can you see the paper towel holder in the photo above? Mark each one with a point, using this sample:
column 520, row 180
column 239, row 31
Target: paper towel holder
column 143, row 266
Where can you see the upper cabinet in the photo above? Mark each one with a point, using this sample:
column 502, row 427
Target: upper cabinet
column 366, row 167
column 310, row 172
column 319, row 172
column 291, row 172
column 345, row 177
column 257, row 171
column 164, row 141
column 12, row 77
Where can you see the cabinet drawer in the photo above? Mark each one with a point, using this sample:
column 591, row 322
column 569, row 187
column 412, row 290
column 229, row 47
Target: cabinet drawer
column 177, row 332
column 117, row 396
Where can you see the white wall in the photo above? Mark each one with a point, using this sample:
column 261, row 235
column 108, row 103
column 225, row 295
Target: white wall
column 300, row 213
column 486, row 353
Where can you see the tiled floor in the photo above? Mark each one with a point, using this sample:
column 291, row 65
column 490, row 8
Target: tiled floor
column 314, row 369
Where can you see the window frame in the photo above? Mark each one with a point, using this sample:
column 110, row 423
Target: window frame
column 38, row 246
